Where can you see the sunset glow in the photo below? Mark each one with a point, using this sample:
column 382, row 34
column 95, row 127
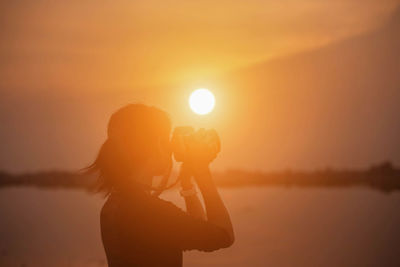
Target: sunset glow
column 178, row 133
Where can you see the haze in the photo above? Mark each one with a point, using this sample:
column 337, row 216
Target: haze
column 66, row 66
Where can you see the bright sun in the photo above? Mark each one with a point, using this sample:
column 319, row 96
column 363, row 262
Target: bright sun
column 202, row 101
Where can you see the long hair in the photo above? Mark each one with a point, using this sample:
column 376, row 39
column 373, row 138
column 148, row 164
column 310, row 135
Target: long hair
column 135, row 134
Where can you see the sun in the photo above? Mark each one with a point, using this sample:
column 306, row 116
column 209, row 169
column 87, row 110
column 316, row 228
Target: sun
column 202, row 101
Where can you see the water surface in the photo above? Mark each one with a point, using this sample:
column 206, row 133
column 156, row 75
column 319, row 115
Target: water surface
column 274, row 227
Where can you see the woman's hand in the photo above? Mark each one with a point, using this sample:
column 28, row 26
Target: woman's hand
column 202, row 148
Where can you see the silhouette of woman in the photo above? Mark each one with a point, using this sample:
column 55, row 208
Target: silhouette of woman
column 137, row 227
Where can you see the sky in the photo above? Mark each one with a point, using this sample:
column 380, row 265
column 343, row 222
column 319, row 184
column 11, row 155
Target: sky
column 66, row 65
column 107, row 45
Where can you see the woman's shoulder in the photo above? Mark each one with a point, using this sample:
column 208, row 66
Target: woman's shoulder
column 118, row 206
column 110, row 206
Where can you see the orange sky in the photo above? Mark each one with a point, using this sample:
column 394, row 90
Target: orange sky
column 107, row 45
column 65, row 66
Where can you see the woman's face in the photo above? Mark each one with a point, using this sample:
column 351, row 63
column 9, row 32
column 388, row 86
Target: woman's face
column 162, row 161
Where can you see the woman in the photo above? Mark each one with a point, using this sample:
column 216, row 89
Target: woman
column 137, row 227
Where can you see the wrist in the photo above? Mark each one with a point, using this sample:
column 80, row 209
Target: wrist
column 185, row 176
column 187, row 185
column 188, row 192
column 205, row 181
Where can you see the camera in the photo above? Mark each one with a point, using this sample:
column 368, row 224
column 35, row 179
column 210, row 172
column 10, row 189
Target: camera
column 190, row 145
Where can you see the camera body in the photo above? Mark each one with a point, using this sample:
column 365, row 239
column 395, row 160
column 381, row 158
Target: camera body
column 190, row 145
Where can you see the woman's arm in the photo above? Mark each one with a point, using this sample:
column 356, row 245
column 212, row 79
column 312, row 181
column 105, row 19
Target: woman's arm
column 193, row 203
column 202, row 148
column 215, row 207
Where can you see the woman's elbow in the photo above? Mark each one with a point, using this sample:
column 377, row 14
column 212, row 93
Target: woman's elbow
column 230, row 241
column 225, row 242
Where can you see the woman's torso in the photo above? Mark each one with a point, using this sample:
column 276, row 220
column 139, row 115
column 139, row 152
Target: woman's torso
column 132, row 232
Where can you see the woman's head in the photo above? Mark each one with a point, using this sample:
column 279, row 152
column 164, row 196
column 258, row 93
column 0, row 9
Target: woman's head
column 137, row 145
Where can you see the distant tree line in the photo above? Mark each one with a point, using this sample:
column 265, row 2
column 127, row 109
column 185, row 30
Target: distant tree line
column 50, row 179
column 384, row 177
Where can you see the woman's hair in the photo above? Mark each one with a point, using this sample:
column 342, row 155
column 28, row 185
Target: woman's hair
column 135, row 134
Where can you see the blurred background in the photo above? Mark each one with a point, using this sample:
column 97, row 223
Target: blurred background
column 307, row 95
